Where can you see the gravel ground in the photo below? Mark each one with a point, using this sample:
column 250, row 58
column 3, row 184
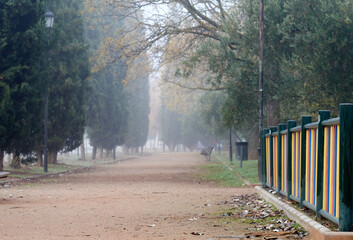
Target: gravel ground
column 150, row 197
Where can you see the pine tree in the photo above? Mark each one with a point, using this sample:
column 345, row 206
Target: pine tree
column 107, row 110
column 106, row 113
column 21, row 79
column 69, row 69
column 138, row 111
column 171, row 127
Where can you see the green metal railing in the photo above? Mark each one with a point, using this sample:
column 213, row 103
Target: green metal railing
column 313, row 164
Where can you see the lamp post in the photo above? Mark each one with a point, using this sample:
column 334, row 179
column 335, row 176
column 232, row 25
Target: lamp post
column 230, row 145
column 49, row 20
column 261, row 82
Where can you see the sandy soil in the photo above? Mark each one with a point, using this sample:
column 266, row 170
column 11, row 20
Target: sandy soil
column 149, row 197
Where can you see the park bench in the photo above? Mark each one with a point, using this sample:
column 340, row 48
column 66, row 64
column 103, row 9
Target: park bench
column 207, row 152
column 4, row 174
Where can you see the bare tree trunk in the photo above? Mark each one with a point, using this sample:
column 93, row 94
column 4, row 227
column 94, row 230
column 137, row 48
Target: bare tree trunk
column 94, row 152
column 1, row 160
column 141, row 149
column 101, row 150
column 40, row 158
column 16, row 161
column 83, row 153
column 114, row 154
column 53, row 155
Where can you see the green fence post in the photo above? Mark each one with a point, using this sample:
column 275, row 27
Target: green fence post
column 281, row 127
column 305, row 120
column 263, row 155
column 323, row 115
column 272, row 130
column 291, row 124
column 346, row 168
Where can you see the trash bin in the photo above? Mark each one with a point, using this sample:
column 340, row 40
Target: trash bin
column 241, row 151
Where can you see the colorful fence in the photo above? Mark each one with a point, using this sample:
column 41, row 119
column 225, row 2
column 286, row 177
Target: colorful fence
column 313, row 164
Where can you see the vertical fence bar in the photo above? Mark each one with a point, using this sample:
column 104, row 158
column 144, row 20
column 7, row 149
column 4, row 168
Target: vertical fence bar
column 346, row 168
column 272, row 130
column 275, row 161
column 305, row 120
column 263, row 154
column 323, row 115
column 268, row 159
column 284, row 140
column 291, row 124
column 281, row 127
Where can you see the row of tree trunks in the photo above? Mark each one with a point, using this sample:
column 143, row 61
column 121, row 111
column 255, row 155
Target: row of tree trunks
column 16, row 160
column 108, row 153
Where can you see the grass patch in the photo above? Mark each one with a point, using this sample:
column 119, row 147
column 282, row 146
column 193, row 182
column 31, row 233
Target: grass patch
column 219, row 173
column 33, row 170
column 248, row 170
column 66, row 162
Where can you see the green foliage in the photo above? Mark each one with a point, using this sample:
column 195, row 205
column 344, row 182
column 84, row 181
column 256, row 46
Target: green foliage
column 106, row 113
column 138, row 111
column 68, row 72
column 321, row 35
column 307, row 60
column 209, row 109
column 171, row 127
column 21, row 79
column 107, row 110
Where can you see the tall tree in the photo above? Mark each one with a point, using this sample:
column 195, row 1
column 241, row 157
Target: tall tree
column 107, row 110
column 21, row 80
column 321, row 35
column 69, row 69
column 138, row 109
column 106, row 113
column 171, row 127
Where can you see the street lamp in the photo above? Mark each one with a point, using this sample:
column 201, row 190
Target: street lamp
column 49, row 20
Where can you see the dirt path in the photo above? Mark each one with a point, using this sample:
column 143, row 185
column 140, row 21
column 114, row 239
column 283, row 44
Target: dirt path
column 150, row 197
